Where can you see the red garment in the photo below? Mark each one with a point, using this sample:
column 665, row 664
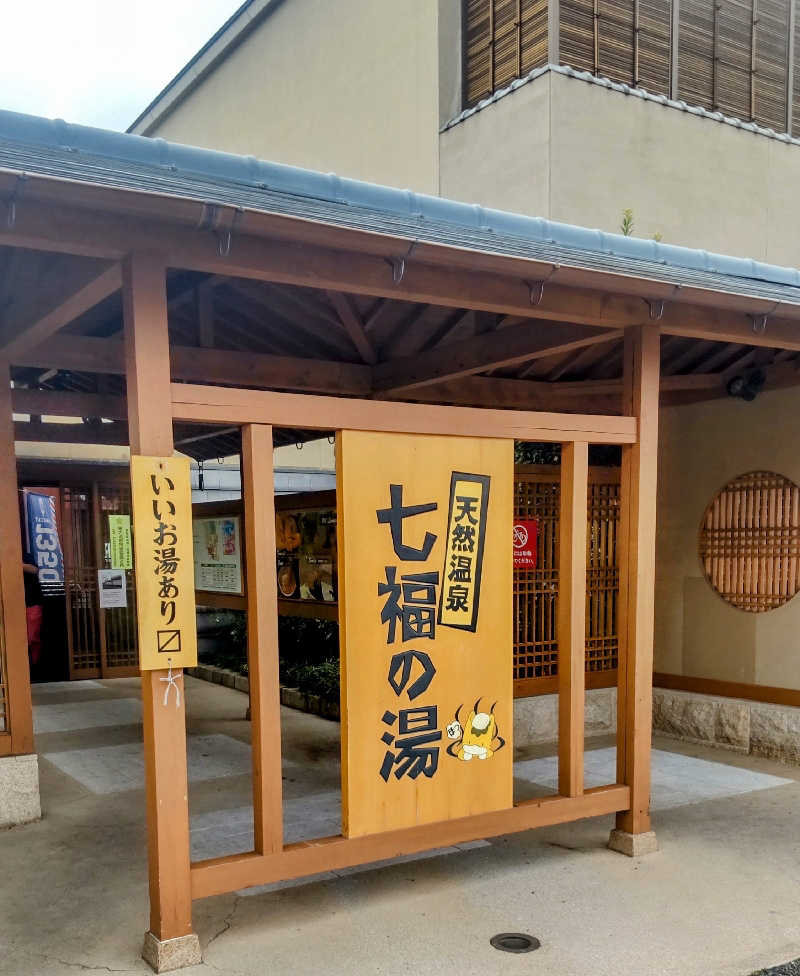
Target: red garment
column 34, row 619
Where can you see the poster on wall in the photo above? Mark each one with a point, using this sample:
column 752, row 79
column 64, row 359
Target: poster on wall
column 120, row 543
column 426, row 628
column 112, row 586
column 306, row 553
column 43, row 544
column 217, row 545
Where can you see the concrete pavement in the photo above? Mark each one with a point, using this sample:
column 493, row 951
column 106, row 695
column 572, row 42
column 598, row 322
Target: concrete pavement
column 721, row 897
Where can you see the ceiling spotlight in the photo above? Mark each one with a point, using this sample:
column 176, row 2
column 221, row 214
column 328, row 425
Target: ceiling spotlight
column 747, row 386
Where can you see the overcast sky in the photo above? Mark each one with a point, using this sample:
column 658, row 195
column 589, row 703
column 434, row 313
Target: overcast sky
column 99, row 62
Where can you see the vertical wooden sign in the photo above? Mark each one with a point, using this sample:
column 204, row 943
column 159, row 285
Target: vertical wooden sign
column 162, row 535
column 425, row 593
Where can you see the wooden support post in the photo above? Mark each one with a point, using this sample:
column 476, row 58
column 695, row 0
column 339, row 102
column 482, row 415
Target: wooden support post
column 572, row 615
column 166, row 781
column 258, row 492
column 12, row 589
column 636, row 542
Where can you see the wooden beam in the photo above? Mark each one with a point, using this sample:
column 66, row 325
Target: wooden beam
column 351, row 321
column 17, row 337
column 518, row 344
column 457, row 278
column 58, row 403
column 222, row 874
column 258, row 481
column 192, row 364
column 116, row 433
column 501, row 393
column 572, row 615
column 19, row 721
column 278, row 372
column 166, row 781
column 55, row 227
column 637, row 541
column 223, row 405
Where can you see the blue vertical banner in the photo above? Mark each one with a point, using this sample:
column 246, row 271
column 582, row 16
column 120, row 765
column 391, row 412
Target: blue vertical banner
column 43, row 542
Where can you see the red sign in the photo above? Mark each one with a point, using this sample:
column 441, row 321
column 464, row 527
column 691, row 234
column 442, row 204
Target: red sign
column 526, row 534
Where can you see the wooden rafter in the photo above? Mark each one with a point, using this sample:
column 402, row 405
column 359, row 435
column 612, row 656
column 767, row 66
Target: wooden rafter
column 15, row 337
column 486, row 351
column 353, row 325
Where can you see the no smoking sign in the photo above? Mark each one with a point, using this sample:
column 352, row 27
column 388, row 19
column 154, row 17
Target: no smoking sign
column 526, row 535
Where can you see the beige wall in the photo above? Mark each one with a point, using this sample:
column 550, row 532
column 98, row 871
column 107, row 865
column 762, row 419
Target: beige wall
column 349, row 86
column 449, row 39
column 702, row 447
column 499, row 157
column 561, row 148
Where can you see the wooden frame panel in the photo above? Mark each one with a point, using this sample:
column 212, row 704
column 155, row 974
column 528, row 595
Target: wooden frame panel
column 257, row 411
column 637, row 540
column 220, row 405
column 214, row 877
column 572, row 616
column 12, row 590
column 262, row 636
column 166, row 777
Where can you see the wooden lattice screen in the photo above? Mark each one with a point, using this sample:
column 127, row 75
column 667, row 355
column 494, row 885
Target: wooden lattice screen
column 121, row 647
column 749, row 541
column 101, row 642
column 732, row 55
column 537, row 495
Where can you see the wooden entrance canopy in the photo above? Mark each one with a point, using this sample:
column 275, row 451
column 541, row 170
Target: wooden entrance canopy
column 175, row 298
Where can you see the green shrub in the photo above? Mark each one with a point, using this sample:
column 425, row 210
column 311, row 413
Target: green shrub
column 318, row 679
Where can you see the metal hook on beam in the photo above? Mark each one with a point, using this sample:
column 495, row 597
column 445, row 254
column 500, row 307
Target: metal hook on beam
column 211, row 218
column 759, row 324
column 11, row 218
column 226, row 237
column 398, row 264
column 535, row 292
column 656, row 308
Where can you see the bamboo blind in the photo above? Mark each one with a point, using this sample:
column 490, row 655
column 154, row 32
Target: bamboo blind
column 537, row 495
column 732, row 55
column 749, row 541
column 503, row 40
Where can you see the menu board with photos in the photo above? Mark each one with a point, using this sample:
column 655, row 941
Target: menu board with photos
column 306, row 555
column 218, row 554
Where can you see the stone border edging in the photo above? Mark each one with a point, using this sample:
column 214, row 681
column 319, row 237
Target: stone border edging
column 290, row 697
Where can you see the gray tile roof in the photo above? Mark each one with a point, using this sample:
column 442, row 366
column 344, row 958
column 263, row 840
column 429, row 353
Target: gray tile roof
column 129, row 162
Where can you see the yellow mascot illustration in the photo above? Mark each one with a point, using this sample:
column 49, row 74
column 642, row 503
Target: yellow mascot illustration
column 478, row 738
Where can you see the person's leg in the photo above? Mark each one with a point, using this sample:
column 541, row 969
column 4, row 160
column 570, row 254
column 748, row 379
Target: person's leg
column 34, row 618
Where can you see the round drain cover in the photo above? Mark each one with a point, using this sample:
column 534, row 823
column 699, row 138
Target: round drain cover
column 514, row 942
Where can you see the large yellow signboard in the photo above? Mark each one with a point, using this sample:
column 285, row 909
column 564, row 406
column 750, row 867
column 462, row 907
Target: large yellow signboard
column 425, row 572
column 162, row 528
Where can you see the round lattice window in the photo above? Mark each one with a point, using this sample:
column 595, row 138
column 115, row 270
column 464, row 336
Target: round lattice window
column 749, row 541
